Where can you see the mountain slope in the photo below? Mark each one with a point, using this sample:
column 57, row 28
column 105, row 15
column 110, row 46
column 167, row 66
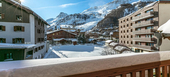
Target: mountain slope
column 89, row 18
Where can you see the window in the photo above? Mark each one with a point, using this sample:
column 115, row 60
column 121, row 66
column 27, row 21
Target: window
column 131, row 42
column 2, row 40
column 149, row 10
column 131, row 36
column 131, row 18
column 38, row 31
column 150, row 27
column 127, row 30
column 149, row 19
column 9, row 56
column 127, row 19
column 2, row 28
column 127, row 25
column 19, row 28
column 131, row 24
column 131, row 30
column 0, row 16
column 18, row 41
column 19, row 17
column 138, row 14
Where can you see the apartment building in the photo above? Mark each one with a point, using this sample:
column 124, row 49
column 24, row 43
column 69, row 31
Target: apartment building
column 22, row 32
column 137, row 29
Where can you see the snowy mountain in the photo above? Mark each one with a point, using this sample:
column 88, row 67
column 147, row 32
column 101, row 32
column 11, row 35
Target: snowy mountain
column 89, row 18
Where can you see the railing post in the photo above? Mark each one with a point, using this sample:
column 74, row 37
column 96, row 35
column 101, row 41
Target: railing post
column 142, row 73
column 123, row 75
column 169, row 71
column 133, row 74
column 164, row 71
column 150, row 73
column 158, row 74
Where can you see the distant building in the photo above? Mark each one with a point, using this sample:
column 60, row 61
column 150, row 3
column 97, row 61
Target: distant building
column 22, row 32
column 60, row 35
column 137, row 29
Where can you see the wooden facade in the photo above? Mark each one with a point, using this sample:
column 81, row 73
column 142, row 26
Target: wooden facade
column 60, row 34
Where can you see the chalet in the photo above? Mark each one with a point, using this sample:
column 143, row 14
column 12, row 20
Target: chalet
column 60, row 35
column 22, row 32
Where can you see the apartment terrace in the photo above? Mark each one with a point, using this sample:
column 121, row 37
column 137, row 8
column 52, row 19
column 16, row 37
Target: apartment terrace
column 145, row 23
column 144, row 47
column 146, row 31
column 144, row 39
column 144, row 16
column 128, row 65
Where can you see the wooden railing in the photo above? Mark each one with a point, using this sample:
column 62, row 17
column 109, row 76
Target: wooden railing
column 155, row 64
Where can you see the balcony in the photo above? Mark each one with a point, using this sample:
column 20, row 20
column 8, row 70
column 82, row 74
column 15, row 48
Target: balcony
column 144, row 39
column 144, row 24
column 148, row 48
column 143, row 16
column 129, row 65
column 146, row 31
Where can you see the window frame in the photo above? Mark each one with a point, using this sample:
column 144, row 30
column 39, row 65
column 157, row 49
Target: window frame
column 19, row 17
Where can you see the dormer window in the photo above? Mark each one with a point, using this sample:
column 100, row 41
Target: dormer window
column 19, row 17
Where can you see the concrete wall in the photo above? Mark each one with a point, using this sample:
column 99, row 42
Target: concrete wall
column 164, row 16
column 32, row 27
column 9, row 33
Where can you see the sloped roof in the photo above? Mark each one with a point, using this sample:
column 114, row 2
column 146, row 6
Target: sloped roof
column 59, row 30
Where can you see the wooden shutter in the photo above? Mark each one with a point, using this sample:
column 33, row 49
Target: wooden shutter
column 23, row 29
column 15, row 28
column 22, row 40
column 3, row 16
column 3, row 28
column 14, row 41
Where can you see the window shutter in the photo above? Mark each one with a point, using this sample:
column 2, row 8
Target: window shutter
column 23, row 40
column 23, row 29
column 3, row 28
column 14, row 41
column 15, row 28
column 3, row 16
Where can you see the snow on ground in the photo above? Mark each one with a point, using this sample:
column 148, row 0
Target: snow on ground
column 71, row 51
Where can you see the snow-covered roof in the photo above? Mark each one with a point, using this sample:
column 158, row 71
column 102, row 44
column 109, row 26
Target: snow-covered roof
column 16, row 46
column 72, row 39
column 165, row 28
column 108, row 41
column 59, row 30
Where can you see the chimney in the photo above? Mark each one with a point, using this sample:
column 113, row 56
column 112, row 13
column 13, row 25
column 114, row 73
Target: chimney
column 18, row 1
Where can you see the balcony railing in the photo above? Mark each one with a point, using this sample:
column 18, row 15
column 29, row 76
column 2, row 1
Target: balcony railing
column 144, row 16
column 144, row 39
column 144, row 47
column 125, row 65
column 146, row 31
column 144, row 23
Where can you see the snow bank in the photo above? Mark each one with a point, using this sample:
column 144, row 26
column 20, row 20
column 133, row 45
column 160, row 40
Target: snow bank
column 108, row 41
column 6, row 45
column 165, row 28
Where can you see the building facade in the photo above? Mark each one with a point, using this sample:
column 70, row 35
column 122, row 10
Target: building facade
column 20, row 25
column 137, row 29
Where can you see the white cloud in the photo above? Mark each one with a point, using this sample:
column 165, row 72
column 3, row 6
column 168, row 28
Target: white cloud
column 66, row 5
column 62, row 6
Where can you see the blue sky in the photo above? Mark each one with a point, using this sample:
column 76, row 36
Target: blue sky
column 51, row 8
